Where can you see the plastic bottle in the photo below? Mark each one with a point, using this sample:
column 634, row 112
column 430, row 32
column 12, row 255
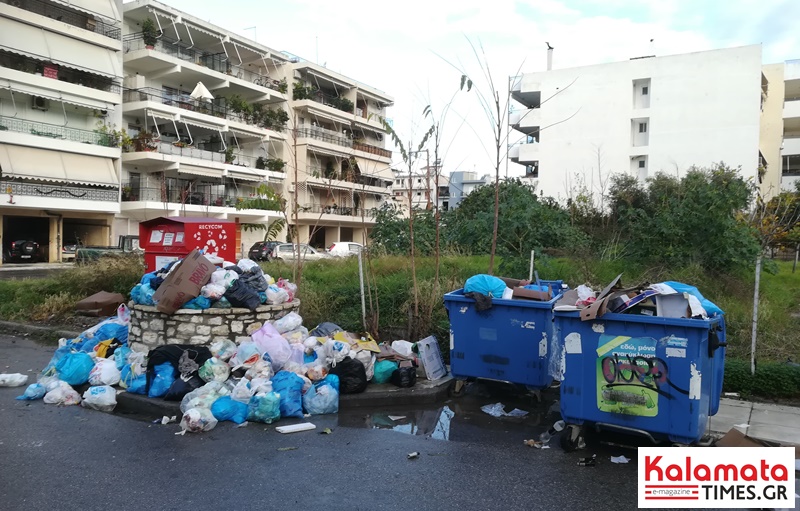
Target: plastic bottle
column 547, row 435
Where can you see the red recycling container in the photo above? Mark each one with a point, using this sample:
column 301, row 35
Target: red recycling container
column 167, row 239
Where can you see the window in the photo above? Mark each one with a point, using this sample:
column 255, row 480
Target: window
column 532, row 171
column 419, row 181
column 645, row 91
column 642, row 127
column 791, row 165
column 641, row 164
column 419, row 193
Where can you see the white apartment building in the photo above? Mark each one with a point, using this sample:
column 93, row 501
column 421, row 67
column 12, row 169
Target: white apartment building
column 421, row 187
column 60, row 83
column 647, row 115
column 787, row 75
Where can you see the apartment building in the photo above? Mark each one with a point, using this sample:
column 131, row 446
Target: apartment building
column 649, row 115
column 462, row 183
column 788, row 75
column 421, row 187
column 60, row 95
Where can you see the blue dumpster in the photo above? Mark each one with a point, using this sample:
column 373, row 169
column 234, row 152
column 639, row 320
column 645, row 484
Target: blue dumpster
column 654, row 376
column 509, row 342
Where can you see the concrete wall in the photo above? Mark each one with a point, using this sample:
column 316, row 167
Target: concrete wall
column 771, row 128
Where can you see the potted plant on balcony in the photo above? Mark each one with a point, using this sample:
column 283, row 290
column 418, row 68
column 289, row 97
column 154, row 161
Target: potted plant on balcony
column 144, row 142
column 229, row 155
column 275, row 164
column 127, row 194
column 149, row 33
column 261, row 163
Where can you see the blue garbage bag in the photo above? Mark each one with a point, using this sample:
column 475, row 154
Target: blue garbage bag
column 134, row 384
column 486, row 285
column 222, row 303
column 227, row 409
column 307, row 359
column 162, row 381
column 708, row 305
column 262, row 297
column 384, row 370
column 264, row 408
column 50, row 368
column 147, row 278
column 321, row 398
column 33, row 392
column 142, row 294
column 199, row 303
column 331, row 380
column 121, row 356
column 111, row 331
column 74, row 368
column 290, row 387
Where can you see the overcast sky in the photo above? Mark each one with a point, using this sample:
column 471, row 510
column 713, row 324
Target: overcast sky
column 404, row 48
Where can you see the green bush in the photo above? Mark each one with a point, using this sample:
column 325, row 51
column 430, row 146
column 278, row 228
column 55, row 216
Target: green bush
column 772, row 379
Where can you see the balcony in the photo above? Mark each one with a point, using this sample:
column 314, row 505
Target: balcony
column 371, row 149
column 215, row 62
column 48, row 69
column 325, row 135
column 526, row 91
column 57, row 132
column 76, row 19
column 321, row 178
column 526, row 121
column 525, row 154
column 791, row 109
column 315, row 210
column 59, row 191
column 199, row 196
column 185, row 151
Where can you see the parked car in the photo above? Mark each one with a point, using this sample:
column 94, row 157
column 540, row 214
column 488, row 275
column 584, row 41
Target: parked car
column 288, row 251
column 128, row 244
column 23, row 251
column 262, row 250
column 68, row 250
column 345, row 249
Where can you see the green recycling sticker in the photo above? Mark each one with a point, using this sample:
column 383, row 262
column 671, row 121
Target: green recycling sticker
column 629, row 375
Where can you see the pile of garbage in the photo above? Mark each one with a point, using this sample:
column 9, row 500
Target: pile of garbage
column 243, row 284
column 281, row 370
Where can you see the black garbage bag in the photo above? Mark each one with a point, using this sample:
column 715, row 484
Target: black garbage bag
column 404, row 377
column 182, row 386
column 326, row 329
column 352, row 376
column 172, row 353
column 235, row 268
column 242, row 295
column 254, row 278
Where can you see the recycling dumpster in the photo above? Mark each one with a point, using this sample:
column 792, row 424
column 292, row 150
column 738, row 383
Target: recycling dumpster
column 658, row 377
column 509, row 342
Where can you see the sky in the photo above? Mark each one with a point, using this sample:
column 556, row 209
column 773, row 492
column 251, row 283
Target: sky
column 417, row 50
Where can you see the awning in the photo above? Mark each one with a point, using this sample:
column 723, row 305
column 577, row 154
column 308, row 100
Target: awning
column 199, row 171
column 104, row 8
column 243, row 133
column 199, row 124
column 329, row 79
column 245, row 174
column 55, row 95
column 66, row 51
column 45, row 165
column 326, row 152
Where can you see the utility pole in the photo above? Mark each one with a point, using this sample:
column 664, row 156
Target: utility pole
column 428, row 178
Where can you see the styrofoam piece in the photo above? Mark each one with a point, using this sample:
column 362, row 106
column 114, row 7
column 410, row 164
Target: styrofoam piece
column 295, row 428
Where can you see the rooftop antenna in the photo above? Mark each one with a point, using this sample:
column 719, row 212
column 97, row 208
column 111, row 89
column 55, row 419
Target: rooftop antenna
column 549, row 56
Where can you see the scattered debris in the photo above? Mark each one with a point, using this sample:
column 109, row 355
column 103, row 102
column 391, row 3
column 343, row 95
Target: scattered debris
column 326, row 431
column 619, row 459
column 295, row 428
column 732, row 395
column 588, row 462
column 413, row 455
column 165, row 420
column 535, row 444
column 498, row 410
column 397, row 417
column 242, row 425
column 287, row 449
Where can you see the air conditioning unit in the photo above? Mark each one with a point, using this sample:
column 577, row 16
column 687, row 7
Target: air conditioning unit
column 291, row 188
column 40, row 103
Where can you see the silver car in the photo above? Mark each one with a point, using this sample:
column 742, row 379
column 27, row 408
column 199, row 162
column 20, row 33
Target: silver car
column 289, row 251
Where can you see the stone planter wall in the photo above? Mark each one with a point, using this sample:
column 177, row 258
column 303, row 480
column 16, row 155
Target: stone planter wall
column 151, row 328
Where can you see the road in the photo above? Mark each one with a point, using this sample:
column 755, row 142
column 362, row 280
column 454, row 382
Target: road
column 11, row 271
column 69, row 458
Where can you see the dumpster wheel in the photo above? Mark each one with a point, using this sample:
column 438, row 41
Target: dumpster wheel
column 571, row 438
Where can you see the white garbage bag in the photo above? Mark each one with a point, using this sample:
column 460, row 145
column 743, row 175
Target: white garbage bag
column 101, row 397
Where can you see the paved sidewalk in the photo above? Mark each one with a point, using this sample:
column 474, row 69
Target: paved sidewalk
column 775, row 423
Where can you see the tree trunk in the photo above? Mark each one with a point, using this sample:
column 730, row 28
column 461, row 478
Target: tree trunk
column 496, row 217
column 755, row 314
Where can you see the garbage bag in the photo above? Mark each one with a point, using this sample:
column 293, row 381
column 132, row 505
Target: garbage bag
column 214, row 369
column 352, row 376
column 101, row 397
column 403, row 347
column 74, row 368
column 164, row 377
column 486, row 285
column 13, row 380
column 105, row 372
column 289, row 322
column 50, row 368
column 255, row 279
column 321, row 398
column 290, row 288
column 298, row 354
column 223, row 349
column 198, row 303
column 247, row 354
column 142, row 294
column 242, row 295
column 212, row 291
column 222, row 303
column 133, row 379
column 228, row 409
column 264, row 407
column 204, row 396
column 404, row 377
column 384, row 370
column 262, row 369
column 248, row 265
column 367, row 358
column 316, row 371
column 326, row 329
column 708, row 305
column 289, row 387
column 33, row 392
column 63, row 394
column 172, row 354
column 296, row 336
column 242, row 392
column 111, row 329
column 224, row 278
column 182, row 386
column 270, row 342
column 121, row 356
column 276, row 295
column 197, row 420
column 335, row 352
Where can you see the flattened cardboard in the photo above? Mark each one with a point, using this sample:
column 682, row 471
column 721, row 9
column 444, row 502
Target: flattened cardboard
column 599, row 307
column 431, row 358
column 184, row 282
column 530, row 294
column 100, row 304
column 735, row 438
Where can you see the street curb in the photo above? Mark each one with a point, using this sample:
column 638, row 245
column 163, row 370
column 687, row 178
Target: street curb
column 41, row 332
column 375, row 395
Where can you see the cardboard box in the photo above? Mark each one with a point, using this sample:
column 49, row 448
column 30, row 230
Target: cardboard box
column 100, row 304
column 673, row 306
column 431, row 358
column 184, row 282
column 530, row 294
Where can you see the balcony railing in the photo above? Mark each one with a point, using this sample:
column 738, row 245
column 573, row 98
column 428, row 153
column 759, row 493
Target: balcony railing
column 217, row 62
column 360, row 146
column 339, row 210
column 76, row 19
column 61, row 73
column 55, row 131
column 59, row 191
column 197, row 196
column 325, row 135
column 202, row 154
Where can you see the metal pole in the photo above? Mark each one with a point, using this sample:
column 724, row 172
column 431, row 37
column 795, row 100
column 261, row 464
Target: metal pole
column 361, row 283
column 530, row 272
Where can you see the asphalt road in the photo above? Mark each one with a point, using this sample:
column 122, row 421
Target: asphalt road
column 11, row 271
column 65, row 458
